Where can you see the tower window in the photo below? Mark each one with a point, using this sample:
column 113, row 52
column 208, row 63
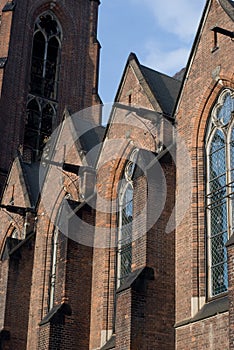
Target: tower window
column 41, row 115
column 42, row 98
column 220, row 186
column 45, row 57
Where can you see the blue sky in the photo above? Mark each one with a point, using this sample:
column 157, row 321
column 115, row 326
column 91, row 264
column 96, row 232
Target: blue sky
column 159, row 32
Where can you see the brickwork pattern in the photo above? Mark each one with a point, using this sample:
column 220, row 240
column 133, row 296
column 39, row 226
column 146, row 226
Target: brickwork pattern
column 208, row 74
column 78, row 76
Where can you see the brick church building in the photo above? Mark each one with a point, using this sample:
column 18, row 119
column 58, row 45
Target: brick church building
column 116, row 237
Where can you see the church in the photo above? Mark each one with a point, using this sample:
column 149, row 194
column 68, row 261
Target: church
column 115, row 237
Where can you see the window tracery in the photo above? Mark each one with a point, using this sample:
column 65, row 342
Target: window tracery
column 124, row 248
column 220, row 186
column 42, row 99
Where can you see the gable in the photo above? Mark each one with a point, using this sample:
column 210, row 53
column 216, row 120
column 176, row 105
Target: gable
column 209, row 60
column 144, row 87
column 132, row 91
column 16, row 191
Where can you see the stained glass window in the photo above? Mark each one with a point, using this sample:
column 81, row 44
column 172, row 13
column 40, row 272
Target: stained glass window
column 125, row 220
column 220, row 176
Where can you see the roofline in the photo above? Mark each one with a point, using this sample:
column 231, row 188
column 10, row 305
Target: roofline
column 132, row 56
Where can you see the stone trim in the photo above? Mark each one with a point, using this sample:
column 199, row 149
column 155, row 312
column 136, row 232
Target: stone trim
column 210, row 309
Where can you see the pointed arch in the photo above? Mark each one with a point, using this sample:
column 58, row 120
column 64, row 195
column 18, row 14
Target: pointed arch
column 125, row 202
column 43, row 88
column 219, row 160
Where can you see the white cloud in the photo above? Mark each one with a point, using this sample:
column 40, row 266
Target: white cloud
column 179, row 17
column 167, row 62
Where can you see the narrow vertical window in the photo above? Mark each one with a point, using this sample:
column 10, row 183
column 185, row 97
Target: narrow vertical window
column 44, row 77
column 124, row 248
column 220, row 176
column 53, row 268
column 58, row 260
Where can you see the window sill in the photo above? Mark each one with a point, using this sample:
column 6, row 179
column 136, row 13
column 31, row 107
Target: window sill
column 210, row 309
column 110, row 344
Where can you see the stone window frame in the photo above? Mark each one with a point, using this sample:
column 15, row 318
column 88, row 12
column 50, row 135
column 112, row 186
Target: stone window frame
column 47, row 35
column 53, row 269
column 32, row 150
column 219, row 197
column 124, row 246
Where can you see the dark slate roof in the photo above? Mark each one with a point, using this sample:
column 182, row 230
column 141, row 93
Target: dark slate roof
column 228, row 6
column 90, row 140
column 179, row 75
column 32, row 179
column 164, row 88
column 91, row 137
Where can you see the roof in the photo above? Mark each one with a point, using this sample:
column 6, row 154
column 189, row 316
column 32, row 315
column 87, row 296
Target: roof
column 88, row 137
column 164, row 88
column 90, row 142
column 33, row 176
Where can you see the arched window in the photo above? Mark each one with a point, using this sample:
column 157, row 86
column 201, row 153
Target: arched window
column 220, row 185
column 124, row 247
column 54, row 258
column 58, row 261
column 38, row 127
column 45, row 56
column 44, row 74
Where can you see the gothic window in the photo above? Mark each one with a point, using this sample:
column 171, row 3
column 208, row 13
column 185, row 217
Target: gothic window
column 58, row 261
column 53, row 268
column 39, row 123
column 42, row 98
column 124, row 248
column 45, row 57
column 220, row 185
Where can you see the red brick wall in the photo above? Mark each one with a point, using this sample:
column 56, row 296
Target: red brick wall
column 78, row 70
column 153, row 249
column 211, row 333
column 18, row 295
column 124, row 320
column 231, row 295
column 201, row 88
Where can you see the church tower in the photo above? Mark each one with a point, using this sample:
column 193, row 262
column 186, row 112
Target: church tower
column 49, row 57
column 49, row 60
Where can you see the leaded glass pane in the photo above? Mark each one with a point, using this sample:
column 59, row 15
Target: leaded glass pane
column 125, row 232
column 231, row 185
column 220, row 192
column 224, row 111
column 219, row 278
column 232, row 153
column 218, row 218
column 217, row 156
